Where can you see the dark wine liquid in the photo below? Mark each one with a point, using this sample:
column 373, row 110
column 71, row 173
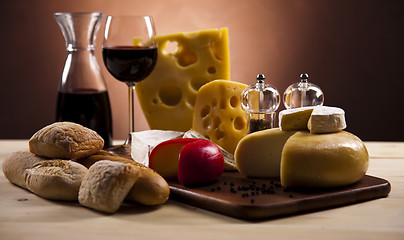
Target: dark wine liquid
column 130, row 64
column 91, row 110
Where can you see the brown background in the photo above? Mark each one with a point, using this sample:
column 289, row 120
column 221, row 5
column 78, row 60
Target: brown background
column 352, row 49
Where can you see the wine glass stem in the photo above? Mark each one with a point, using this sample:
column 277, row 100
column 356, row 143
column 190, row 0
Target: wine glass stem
column 131, row 92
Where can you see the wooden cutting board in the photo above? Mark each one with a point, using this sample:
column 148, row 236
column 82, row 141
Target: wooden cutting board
column 255, row 199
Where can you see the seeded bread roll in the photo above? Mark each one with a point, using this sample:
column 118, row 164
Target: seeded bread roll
column 65, row 140
column 149, row 189
column 106, row 185
column 51, row 179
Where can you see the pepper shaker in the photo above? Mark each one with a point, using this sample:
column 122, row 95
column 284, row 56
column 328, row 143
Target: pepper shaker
column 260, row 101
column 303, row 94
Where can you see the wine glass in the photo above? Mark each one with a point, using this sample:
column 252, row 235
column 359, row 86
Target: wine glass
column 129, row 52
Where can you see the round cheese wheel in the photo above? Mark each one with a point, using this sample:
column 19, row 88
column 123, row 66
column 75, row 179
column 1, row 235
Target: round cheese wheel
column 323, row 160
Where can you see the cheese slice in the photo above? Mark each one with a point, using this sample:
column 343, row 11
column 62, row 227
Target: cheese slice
column 323, row 160
column 325, row 119
column 143, row 143
column 259, row 154
column 295, row 119
column 186, row 61
column 218, row 114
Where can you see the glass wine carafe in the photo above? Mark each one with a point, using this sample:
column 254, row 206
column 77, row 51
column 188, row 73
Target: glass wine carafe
column 82, row 94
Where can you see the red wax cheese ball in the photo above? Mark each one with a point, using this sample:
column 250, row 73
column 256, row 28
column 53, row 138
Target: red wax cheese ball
column 199, row 162
column 164, row 157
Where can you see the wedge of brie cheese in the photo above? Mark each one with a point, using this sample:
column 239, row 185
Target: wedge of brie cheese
column 295, row 119
column 326, row 120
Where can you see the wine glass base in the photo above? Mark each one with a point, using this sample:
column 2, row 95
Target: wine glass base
column 121, row 150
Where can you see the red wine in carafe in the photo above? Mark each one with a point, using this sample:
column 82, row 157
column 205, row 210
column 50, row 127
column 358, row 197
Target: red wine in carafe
column 91, row 110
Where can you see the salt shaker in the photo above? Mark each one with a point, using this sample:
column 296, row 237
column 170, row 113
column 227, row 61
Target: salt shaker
column 303, row 94
column 260, row 101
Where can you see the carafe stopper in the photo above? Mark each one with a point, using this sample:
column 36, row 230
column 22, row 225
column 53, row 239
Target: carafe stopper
column 260, row 101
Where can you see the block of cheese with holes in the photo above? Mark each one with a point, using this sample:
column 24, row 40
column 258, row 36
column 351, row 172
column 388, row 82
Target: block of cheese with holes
column 186, row 61
column 218, row 114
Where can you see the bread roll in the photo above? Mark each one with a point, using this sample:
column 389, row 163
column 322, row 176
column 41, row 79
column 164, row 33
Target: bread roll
column 51, row 179
column 16, row 164
column 56, row 179
column 149, row 189
column 65, row 140
column 106, row 185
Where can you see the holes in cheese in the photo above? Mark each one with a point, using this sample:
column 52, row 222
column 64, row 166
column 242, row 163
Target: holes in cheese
column 234, row 100
column 169, row 47
column 196, row 83
column 204, row 111
column 186, row 58
column 218, row 114
column 239, row 123
column 170, row 95
column 186, row 61
column 211, row 70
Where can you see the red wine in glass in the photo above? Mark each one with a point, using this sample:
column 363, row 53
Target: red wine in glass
column 129, row 64
column 130, row 55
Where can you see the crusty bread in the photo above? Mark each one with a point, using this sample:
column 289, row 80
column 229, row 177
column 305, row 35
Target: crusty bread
column 149, row 189
column 51, row 179
column 65, row 140
column 106, row 185
column 16, row 164
column 56, row 179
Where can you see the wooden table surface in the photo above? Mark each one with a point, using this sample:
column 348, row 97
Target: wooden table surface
column 24, row 215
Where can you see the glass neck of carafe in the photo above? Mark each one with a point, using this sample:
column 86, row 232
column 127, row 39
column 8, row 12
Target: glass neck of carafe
column 79, row 29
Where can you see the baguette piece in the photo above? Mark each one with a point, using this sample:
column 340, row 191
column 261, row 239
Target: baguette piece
column 65, row 140
column 149, row 189
column 51, row 179
column 106, row 185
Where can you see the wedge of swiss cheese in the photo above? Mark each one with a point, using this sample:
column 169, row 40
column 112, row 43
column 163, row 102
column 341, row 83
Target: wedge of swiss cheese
column 218, row 114
column 186, row 61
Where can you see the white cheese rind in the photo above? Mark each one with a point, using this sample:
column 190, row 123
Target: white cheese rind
column 143, row 143
column 326, row 119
